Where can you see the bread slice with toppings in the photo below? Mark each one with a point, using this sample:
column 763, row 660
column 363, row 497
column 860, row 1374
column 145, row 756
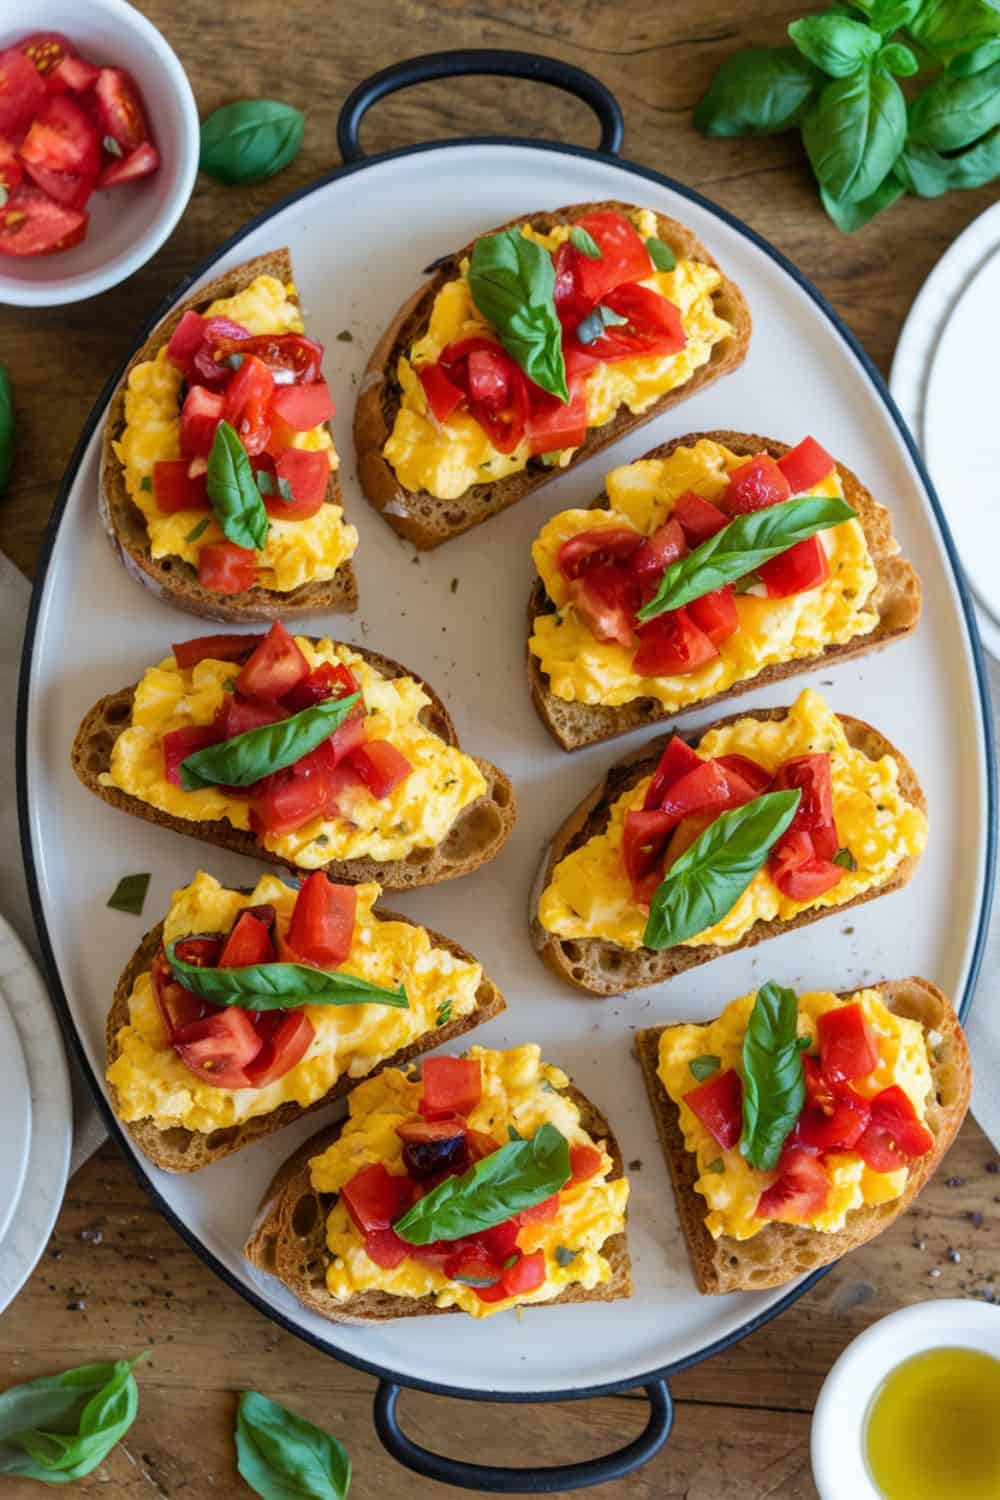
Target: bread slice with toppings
column 781, row 1252
column 171, row 578
column 425, row 519
column 896, row 601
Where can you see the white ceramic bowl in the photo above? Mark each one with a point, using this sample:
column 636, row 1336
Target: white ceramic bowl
column 128, row 224
column 838, row 1460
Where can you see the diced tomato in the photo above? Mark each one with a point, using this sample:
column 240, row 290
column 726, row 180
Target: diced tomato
column 217, row 1049
column 374, row 1197
column 245, row 402
column 810, row 774
column 238, row 715
column 715, row 614
column 644, row 840
column 119, row 108
column 200, row 416
column 554, row 424
column 571, row 305
column 224, row 568
column 709, row 787
column 291, row 353
column 443, row 397
column 201, row 952
column 477, row 1143
column 541, row 1213
column 22, row 92
column 328, row 680
column 676, row 761
column 188, row 654
column 381, row 766
column 585, row 1161
column 175, row 490
column 527, row 1274
column 248, row 943
column 219, row 336
column 46, row 50
column 288, row 802
column 178, row 744
column 275, row 667
column 800, row 1192
column 142, row 162
column 623, row 258
column 62, row 138
column 186, row 340
column 755, row 485
column 307, row 474
column 718, row 1103
column 452, row 1086
column 178, row 1007
column 302, row 406
column 833, row 1118
column 798, row 872
column 70, row 189
column 606, row 599
column 748, row 770
column 805, row 465
column 322, row 927
column 350, row 736
column 657, row 552
column 420, row 1132
column 654, row 325
column 804, row 566
column 73, row 73
column 476, row 1269
column 896, row 1134
column 846, row 1045
column 591, row 549
column 502, row 409
column 11, row 171
column 386, row 1249
column 501, row 1240
column 286, row 1044
column 671, row 645
column 699, row 519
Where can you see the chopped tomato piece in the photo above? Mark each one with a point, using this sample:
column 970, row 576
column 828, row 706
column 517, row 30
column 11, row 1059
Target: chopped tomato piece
column 70, row 189
column 715, row 614
column 188, row 654
column 452, row 1086
column 62, row 138
column 501, row 1240
column 185, row 341
column 606, row 599
column 350, row 736
column 527, row 1274
column 797, row 871
column 834, row 1118
column 328, row 680
column 238, row 715
column 657, row 552
column 748, row 770
column 174, row 489
column 590, row 549
column 73, row 73
column 585, row 1161
column 245, row 402
column 571, row 304
column 477, row 1142
column 755, row 485
column 644, row 839
column 804, row 566
column 217, row 1049
column 306, row 474
column 846, row 1045
column 200, row 416
column 698, row 518
column 540, row 1213
column 374, row 1197
column 286, row 1044
column 420, row 1132
column 22, row 92
column 275, row 667
column 303, row 406
column 46, row 50
column 119, row 108
column 224, row 568
column 31, row 223
column 381, row 766
column 805, row 465
column 288, row 802
column 386, row 1249
column 896, row 1133
column 671, row 645
column 801, row 1191
column 219, row 336
column 178, row 744
column 11, row 171
column 142, row 162
column 814, row 814
column 718, row 1103
column 653, row 325
column 248, row 943
column 676, row 761
column 178, row 1007
column 554, row 424
column 322, row 927
column 623, row 258
column 443, row 397
column 709, row 787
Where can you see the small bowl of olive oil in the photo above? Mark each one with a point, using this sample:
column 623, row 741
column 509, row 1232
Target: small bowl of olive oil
column 911, row 1409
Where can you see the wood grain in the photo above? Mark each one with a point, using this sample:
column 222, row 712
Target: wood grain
column 116, row 1278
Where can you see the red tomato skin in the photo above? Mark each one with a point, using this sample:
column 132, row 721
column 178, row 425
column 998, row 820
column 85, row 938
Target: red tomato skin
column 374, row 1197
column 325, row 681
column 527, row 1274
column 31, row 223
column 302, row 407
column 286, row 1044
column 385, row 1248
column 69, row 189
column 672, row 645
column 834, row 1117
column 11, row 171
column 644, row 839
column 175, row 490
column 218, row 1048
column 606, row 598
column 801, row 1190
column 552, row 424
column 188, row 654
column 718, row 1103
column 804, row 566
column 585, row 1161
column 896, row 1134
column 452, row 1085
column 676, row 761
column 73, row 73
column 249, row 942
column 805, row 465
column 716, row 614
column 288, row 803
column 225, row 568
column 178, row 744
column 245, row 402
column 624, row 257
column 142, row 162
column 810, row 774
column 381, row 766
column 846, row 1045
column 120, row 109
column 755, row 485
column 177, row 1006
column 308, row 474
column 657, row 552
column 541, row 1213
column 186, row 340
column 698, row 518
column 22, row 92
column 591, row 549
column 275, row 668
column 501, row 1240
column 200, row 416
column 443, row 396
column 62, row 138
column 322, row 927
column 748, row 770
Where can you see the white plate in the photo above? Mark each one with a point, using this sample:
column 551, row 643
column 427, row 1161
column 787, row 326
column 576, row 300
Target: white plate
column 15, row 1117
column 95, row 631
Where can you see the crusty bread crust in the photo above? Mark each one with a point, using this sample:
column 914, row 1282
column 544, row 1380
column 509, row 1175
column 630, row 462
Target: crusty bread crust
column 896, row 601
column 289, row 1238
column 420, row 516
column 177, row 1149
column 603, row 968
column 781, row 1252
column 170, row 578
column 477, row 835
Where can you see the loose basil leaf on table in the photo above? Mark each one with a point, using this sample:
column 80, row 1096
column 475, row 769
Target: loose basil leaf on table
column 59, row 1428
column 512, row 281
column 250, row 140
column 975, row 61
column 711, row 875
column 849, row 217
column 855, row 132
column 7, row 434
column 928, row 174
column 249, row 757
column 836, row 44
column 947, row 27
column 888, row 16
column 279, row 986
column 283, row 1457
column 233, row 492
column 581, row 239
column 759, row 91
column 774, row 1089
column 955, row 112
column 742, row 546
column 512, row 1178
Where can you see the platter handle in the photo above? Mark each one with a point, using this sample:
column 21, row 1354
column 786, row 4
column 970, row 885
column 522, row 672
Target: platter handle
column 476, row 61
column 518, row 1481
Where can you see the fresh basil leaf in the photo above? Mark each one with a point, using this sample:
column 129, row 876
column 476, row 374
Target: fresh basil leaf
column 249, row 757
column 774, row 1089
column 836, row 44
column 250, row 140
column 279, row 986
column 661, row 255
column 967, row 63
column 929, row 174
column 888, row 16
column 758, row 91
column 854, row 133
column 845, row 858
column 713, row 872
column 849, row 217
column 59, row 1428
column 198, row 530
column 718, row 1165
column 443, row 1013
column 6, row 429
column 747, row 582
column 513, row 1134
column 899, row 59
column 513, row 1177
column 284, row 1457
column 946, row 27
column 593, row 325
column 234, row 496
column 741, row 548
column 955, row 112
column 512, row 280
column 565, row 1257
column 129, row 895
column 582, row 240
column 704, row 1067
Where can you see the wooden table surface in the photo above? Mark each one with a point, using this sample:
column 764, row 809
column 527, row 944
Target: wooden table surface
column 116, row 1278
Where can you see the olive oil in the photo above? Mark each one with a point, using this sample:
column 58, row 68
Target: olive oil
column 932, row 1430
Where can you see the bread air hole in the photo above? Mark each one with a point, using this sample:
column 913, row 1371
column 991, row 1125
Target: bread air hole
column 478, row 829
column 304, row 1216
column 176, row 1138
column 220, row 1139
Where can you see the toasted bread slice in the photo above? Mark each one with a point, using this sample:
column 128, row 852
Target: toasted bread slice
column 420, row 516
column 177, row 1149
column 289, row 1239
column 170, row 578
column 781, row 1252
column 604, row 968
column 476, row 836
column 896, row 600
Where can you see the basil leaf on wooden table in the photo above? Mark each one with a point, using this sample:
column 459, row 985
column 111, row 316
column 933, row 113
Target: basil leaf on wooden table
column 759, row 91
column 855, row 132
column 513, row 1177
column 58, row 1428
column 250, row 757
column 946, row 27
column 250, row 140
column 742, row 546
column 7, row 434
column 774, row 1089
column 129, row 895
column 713, row 872
column 954, row 112
column 279, row 986
column 283, row 1457
column 898, row 59
column 233, row 493
column 512, row 281
column 929, row 174
column 849, row 217
column 888, row 16
column 834, row 43
column 980, row 57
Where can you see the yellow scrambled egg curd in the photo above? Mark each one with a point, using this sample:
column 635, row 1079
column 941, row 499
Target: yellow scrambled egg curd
column 297, row 552
column 152, row 1082
column 446, row 458
column 417, row 814
column 582, row 669
column 590, row 896
column 519, row 1090
column 733, row 1192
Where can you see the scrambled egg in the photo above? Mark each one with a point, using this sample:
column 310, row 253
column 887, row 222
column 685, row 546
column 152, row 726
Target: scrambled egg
column 732, row 1194
column 519, row 1090
column 446, row 458
column 297, row 552
column 151, row 1080
column 417, row 814
column 582, row 669
column 589, row 895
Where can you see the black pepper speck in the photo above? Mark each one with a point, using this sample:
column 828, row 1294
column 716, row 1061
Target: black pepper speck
column 954, row 1182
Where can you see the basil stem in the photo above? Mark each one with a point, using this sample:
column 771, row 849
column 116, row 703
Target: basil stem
column 279, row 986
column 774, row 1089
column 249, row 757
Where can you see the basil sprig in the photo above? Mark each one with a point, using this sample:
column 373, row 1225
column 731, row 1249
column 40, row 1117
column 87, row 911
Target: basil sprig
column 250, row 140
column 774, row 1089
column 742, row 546
column 713, row 872
column 6, row 429
column 59, row 1428
column 513, row 1177
column 281, row 1455
column 512, row 281
column 234, row 495
column 249, row 757
column 279, row 986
